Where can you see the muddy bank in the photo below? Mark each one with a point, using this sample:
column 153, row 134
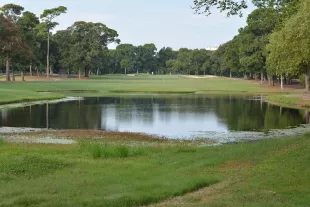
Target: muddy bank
column 30, row 135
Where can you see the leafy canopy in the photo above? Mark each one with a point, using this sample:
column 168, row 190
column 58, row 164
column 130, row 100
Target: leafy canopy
column 289, row 47
column 234, row 7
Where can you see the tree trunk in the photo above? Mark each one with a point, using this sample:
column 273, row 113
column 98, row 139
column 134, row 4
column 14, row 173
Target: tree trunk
column 125, row 71
column 86, row 73
column 308, row 80
column 48, row 54
column 37, row 70
column 262, row 77
column 282, row 82
column 8, row 68
column 97, row 72
column 79, row 73
column 269, row 80
column 22, row 74
column 30, row 69
column 230, row 75
column 13, row 75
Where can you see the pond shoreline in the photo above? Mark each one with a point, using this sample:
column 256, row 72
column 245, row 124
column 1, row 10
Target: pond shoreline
column 270, row 97
column 70, row 136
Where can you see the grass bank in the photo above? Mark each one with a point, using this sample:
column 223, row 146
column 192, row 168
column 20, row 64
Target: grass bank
column 290, row 100
column 263, row 173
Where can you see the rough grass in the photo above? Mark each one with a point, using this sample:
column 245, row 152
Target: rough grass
column 263, row 173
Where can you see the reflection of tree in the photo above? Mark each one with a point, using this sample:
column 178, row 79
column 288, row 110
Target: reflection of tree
column 96, row 113
column 243, row 115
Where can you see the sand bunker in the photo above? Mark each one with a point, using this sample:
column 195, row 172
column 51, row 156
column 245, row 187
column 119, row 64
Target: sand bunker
column 199, row 76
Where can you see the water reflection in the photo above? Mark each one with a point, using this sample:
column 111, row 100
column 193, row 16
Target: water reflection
column 174, row 116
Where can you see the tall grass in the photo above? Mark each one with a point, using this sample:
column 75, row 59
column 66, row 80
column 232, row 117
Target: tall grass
column 106, row 150
column 1, row 142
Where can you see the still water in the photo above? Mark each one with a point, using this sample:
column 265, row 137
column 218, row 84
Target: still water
column 184, row 116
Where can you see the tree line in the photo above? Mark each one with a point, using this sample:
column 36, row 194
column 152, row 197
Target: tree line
column 273, row 46
column 27, row 44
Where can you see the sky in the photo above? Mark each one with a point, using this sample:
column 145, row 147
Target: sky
column 166, row 23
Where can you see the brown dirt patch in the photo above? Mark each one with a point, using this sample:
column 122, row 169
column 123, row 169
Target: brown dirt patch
column 236, row 166
column 204, row 195
column 277, row 86
column 212, row 192
column 98, row 135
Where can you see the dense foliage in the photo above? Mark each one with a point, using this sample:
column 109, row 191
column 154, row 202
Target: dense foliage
column 27, row 42
column 272, row 46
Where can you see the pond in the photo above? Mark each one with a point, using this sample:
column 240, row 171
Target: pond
column 171, row 116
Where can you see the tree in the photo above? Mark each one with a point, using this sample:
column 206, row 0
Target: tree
column 12, row 11
column 82, row 45
column 235, row 7
column 145, row 58
column 231, row 57
column 218, row 61
column 47, row 25
column 127, row 57
column 163, row 56
column 253, row 40
column 174, row 66
column 289, row 47
column 27, row 23
column 10, row 35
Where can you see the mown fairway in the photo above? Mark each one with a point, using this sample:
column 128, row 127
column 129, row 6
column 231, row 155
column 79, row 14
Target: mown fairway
column 102, row 85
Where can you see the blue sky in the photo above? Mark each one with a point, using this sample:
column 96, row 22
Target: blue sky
column 162, row 22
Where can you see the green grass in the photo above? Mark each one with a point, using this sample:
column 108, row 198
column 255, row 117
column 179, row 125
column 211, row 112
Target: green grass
column 264, row 173
column 109, row 84
column 290, row 101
